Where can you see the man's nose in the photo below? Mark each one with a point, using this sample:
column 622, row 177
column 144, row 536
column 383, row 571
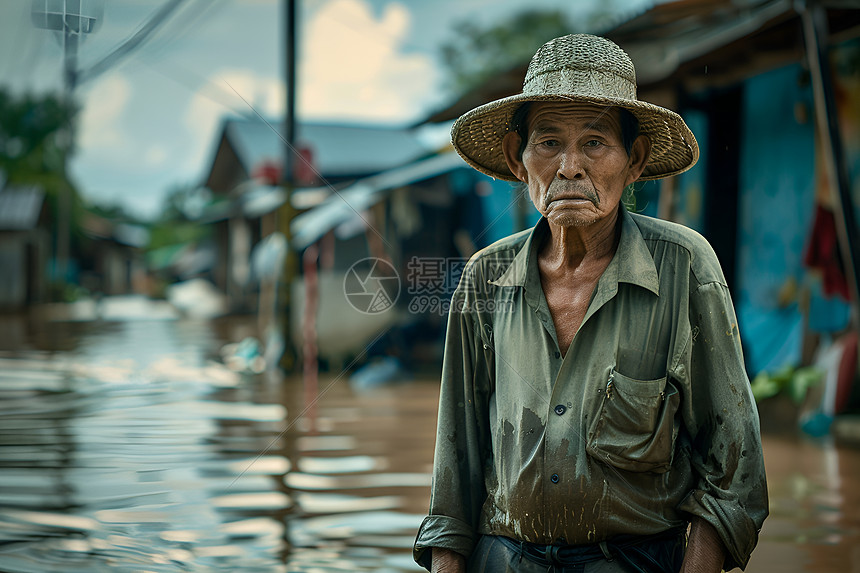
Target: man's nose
column 570, row 164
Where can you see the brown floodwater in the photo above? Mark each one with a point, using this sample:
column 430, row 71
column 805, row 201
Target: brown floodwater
column 814, row 522
column 127, row 445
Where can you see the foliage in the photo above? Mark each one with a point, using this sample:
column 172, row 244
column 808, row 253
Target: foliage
column 35, row 136
column 169, row 233
column 185, row 203
column 793, row 381
column 115, row 213
column 628, row 198
column 474, row 53
column 177, row 224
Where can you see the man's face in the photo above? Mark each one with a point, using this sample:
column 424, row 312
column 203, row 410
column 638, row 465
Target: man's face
column 574, row 161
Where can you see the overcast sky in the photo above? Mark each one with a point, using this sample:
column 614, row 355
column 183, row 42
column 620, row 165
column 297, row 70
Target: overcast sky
column 150, row 123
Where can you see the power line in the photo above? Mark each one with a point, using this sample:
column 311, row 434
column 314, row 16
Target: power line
column 133, row 43
column 210, row 91
column 188, row 19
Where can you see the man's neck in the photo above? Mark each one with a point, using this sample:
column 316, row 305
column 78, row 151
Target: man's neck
column 567, row 248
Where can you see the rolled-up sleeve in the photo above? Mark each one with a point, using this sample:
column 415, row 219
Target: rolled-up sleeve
column 721, row 417
column 458, row 490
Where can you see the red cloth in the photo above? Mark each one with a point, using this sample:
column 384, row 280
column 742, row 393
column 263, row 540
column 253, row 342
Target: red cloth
column 847, row 373
column 823, row 253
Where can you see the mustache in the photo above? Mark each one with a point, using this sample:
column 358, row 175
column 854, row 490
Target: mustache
column 567, row 189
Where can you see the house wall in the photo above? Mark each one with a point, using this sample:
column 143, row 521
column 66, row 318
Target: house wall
column 23, row 259
column 689, row 197
column 776, row 207
column 498, row 200
column 13, row 281
column 779, row 181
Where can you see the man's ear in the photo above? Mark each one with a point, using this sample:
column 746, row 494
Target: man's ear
column 510, row 149
column 639, row 154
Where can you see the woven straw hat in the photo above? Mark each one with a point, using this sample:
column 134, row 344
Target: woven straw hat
column 578, row 68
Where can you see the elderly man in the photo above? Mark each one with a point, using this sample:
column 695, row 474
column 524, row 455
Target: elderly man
column 594, row 400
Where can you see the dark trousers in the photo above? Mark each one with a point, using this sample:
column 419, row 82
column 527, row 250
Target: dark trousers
column 662, row 553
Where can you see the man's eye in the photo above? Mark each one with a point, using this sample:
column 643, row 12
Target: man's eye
column 548, row 143
column 593, row 143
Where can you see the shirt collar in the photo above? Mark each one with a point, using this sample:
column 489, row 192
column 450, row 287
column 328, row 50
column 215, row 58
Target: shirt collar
column 632, row 262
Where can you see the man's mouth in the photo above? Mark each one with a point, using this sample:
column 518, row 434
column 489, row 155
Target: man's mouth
column 560, row 200
column 571, row 195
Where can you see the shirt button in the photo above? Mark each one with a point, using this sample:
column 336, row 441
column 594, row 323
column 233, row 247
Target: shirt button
column 560, row 409
column 554, row 478
column 557, row 354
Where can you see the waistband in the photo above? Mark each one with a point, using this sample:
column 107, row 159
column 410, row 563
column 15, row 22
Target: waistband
column 628, row 549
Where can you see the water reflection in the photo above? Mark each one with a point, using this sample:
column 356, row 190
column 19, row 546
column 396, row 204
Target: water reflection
column 361, row 481
column 814, row 522
column 116, row 456
column 124, row 447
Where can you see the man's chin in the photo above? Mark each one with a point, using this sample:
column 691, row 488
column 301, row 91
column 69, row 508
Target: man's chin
column 570, row 218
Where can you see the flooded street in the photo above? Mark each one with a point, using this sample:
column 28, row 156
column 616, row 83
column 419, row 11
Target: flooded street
column 814, row 522
column 128, row 446
column 125, row 447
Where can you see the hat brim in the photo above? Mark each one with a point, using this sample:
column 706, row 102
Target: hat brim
column 477, row 135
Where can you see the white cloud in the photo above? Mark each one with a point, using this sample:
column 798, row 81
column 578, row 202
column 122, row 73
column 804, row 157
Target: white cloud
column 223, row 95
column 352, row 66
column 101, row 114
column 138, row 134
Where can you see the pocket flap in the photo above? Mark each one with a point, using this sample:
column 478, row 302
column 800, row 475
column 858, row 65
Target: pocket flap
column 642, row 388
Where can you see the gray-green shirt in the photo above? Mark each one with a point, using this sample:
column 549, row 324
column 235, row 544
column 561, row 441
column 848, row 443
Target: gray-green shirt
column 646, row 420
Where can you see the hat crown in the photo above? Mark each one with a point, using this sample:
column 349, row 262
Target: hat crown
column 581, row 65
column 584, row 69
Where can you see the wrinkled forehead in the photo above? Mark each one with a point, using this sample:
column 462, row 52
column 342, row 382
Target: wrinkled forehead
column 561, row 116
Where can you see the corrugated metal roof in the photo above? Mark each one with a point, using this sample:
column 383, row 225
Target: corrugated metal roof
column 659, row 40
column 347, row 203
column 672, row 33
column 20, row 208
column 337, row 150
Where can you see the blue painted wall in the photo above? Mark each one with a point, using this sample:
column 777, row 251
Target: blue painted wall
column 776, row 206
column 498, row 200
column 689, row 207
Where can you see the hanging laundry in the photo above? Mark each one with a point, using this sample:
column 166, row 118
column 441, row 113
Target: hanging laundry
column 823, row 253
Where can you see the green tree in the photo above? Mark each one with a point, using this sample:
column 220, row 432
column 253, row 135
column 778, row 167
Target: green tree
column 35, row 137
column 177, row 225
column 473, row 54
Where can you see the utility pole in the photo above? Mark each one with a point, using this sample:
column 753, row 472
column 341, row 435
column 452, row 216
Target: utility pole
column 72, row 18
column 287, row 212
column 64, row 197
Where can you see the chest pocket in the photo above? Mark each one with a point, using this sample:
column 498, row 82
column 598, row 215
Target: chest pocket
column 635, row 428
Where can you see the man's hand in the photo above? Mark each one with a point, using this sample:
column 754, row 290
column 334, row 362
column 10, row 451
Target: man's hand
column 705, row 551
column 447, row 561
